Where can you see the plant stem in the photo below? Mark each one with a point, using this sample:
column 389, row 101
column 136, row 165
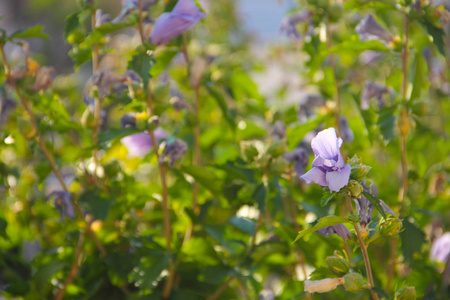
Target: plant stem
column 363, row 250
column 97, row 105
column 74, row 269
column 162, row 175
column 404, row 189
column 337, row 111
column 196, row 152
column 221, row 289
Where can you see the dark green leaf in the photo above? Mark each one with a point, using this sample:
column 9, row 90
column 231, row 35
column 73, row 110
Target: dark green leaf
column 3, row 225
column 259, row 195
column 141, row 62
column 324, row 222
column 412, row 239
column 326, row 197
column 95, row 203
column 387, row 122
column 437, row 34
column 245, row 225
column 205, row 177
column 162, row 60
column 105, row 137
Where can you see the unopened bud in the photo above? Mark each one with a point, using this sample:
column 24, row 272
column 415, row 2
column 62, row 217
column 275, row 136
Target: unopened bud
column 355, row 188
column 249, row 150
column 404, row 124
column 391, row 226
column 354, row 282
column 338, row 264
column 406, row 293
column 153, row 122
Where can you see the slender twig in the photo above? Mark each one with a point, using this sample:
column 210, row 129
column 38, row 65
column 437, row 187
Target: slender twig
column 74, row 269
column 363, row 250
column 97, row 105
column 196, row 152
column 337, row 109
column 403, row 133
column 162, row 174
column 221, row 289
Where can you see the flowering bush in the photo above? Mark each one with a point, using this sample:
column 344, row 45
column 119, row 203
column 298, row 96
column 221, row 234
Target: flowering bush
column 170, row 161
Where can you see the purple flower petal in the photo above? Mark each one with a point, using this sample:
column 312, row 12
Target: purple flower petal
column 140, row 144
column 183, row 17
column 338, row 179
column 326, row 144
column 315, row 175
column 440, row 251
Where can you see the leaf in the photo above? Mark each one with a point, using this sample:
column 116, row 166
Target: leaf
column 387, row 123
column 380, row 292
column 32, row 32
column 3, row 225
column 412, row 239
column 149, row 270
column 259, row 195
column 228, row 114
column 205, row 177
column 141, row 63
column 356, row 47
column 437, row 34
column 327, row 197
column 243, row 224
column 375, row 202
column 79, row 56
column 46, row 272
column 98, row 33
column 95, row 203
column 296, row 134
column 324, row 222
column 248, row 130
column 420, row 79
column 162, row 60
column 105, row 137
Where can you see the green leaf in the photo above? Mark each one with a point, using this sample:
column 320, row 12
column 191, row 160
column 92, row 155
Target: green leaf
column 162, row 60
column 247, row 130
column 437, row 34
column 105, row 137
column 80, row 56
column 355, row 47
column 380, row 292
column 95, row 203
column 205, row 176
column 32, row 32
column 141, row 62
column 3, row 225
column 326, row 197
column 259, row 195
column 46, row 272
column 243, row 224
column 229, row 115
column 387, row 123
column 375, row 202
column 324, row 222
column 420, row 79
column 149, row 270
column 98, row 33
column 412, row 239
column 296, row 134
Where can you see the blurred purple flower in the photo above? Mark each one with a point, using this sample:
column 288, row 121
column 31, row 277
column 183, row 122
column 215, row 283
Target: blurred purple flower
column 338, row 229
column 365, row 208
column 289, row 23
column 101, row 18
column 373, row 90
column 440, row 250
column 369, row 29
column 6, row 106
column 128, row 6
column 140, row 144
column 183, row 17
column 308, row 105
column 278, row 130
column 178, row 103
column 346, row 131
column 63, row 203
column 300, row 156
column 175, row 150
column 370, row 57
column 328, row 167
column 128, row 121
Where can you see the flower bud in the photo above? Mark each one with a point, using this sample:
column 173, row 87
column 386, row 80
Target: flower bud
column 406, row 293
column 355, row 188
column 249, row 150
column 359, row 171
column 338, row 264
column 404, row 123
column 391, row 226
column 153, row 122
column 354, row 282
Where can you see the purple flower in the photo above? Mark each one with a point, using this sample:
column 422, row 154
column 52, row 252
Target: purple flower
column 338, row 229
column 328, row 167
column 101, row 18
column 373, row 90
column 6, row 106
column 63, row 203
column 183, row 17
column 440, row 250
column 300, row 156
column 175, row 150
column 369, row 29
column 289, row 23
column 128, row 121
column 140, row 144
column 346, row 131
column 278, row 130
